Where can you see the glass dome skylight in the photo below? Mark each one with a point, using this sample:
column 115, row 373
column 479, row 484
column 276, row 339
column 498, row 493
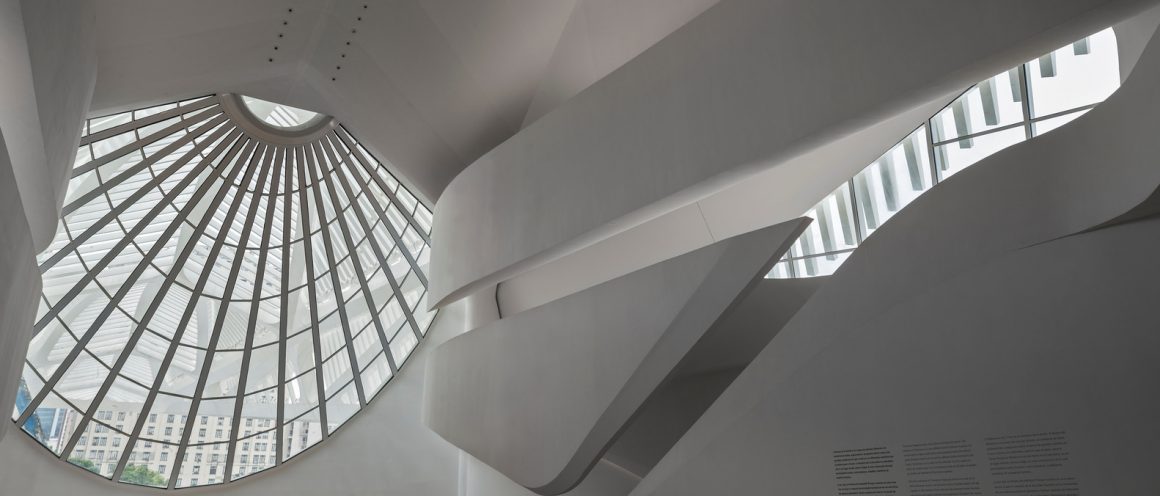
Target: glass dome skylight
column 220, row 297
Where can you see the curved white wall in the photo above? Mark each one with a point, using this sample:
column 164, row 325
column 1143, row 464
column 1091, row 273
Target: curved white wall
column 50, row 69
column 1067, row 346
column 728, row 95
column 541, row 394
column 19, row 285
column 991, row 306
column 64, row 69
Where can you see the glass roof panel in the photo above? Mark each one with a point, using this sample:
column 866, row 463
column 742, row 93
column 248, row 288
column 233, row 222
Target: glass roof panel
column 188, row 334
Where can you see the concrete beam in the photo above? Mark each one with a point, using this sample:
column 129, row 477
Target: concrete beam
column 49, row 59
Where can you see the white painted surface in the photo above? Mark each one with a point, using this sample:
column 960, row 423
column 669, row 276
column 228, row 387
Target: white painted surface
column 1068, row 345
column 20, row 123
column 354, row 463
column 678, row 232
column 605, row 479
column 762, row 200
column 725, row 97
column 1132, row 36
column 481, row 309
column 429, row 85
column 540, row 394
column 984, row 305
column 19, row 287
column 600, row 37
column 64, row 69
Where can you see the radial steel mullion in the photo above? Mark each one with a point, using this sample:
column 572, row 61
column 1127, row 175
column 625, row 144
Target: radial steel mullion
column 859, row 231
column 244, row 373
column 312, row 297
column 382, row 186
column 930, row 155
column 125, row 287
column 396, row 236
column 981, row 133
column 1023, row 124
column 139, row 144
column 145, row 163
column 328, row 246
column 139, row 330
column 144, row 190
column 130, row 235
column 1062, row 113
column 136, row 124
column 354, row 259
column 1028, row 105
column 90, row 275
column 283, row 308
column 823, row 254
column 227, row 291
column 395, row 287
column 374, row 309
column 245, row 146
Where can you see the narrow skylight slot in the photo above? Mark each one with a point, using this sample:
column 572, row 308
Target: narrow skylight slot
column 990, row 116
column 277, row 114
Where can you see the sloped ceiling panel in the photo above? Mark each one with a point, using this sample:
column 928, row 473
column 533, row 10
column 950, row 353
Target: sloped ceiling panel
column 431, row 85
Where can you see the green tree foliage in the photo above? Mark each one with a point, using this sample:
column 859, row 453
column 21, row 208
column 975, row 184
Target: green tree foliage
column 140, row 474
column 85, row 464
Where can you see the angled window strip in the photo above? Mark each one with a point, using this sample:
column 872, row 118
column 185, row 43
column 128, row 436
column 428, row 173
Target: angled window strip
column 1013, row 106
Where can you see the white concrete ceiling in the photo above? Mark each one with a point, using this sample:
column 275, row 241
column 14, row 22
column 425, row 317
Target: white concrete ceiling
column 429, row 85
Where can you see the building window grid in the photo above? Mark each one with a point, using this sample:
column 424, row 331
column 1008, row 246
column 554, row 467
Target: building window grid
column 347, row 151
column 788, row 264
